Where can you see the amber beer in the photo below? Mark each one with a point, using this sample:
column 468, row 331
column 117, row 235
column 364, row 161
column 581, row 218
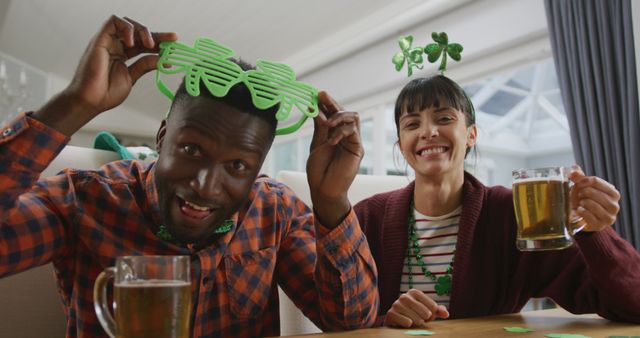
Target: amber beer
column 151, row 297
column 541, row 202
column 152, row 308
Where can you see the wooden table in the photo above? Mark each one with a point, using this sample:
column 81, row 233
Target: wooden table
column 543, row 322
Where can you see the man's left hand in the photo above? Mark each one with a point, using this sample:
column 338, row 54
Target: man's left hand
column 334, row 159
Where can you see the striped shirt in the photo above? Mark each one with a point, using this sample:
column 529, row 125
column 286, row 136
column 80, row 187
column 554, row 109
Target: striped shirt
column 82, row 220
column 437, row 237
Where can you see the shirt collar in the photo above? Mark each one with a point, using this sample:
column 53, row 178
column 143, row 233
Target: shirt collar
column 153, row 202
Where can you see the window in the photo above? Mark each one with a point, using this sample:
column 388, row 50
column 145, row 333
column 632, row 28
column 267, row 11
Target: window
column 22, row 88
column 521, row 123
column 366, row 135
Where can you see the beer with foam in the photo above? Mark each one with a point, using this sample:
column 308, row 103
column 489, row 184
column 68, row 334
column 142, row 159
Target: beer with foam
column 542, row 208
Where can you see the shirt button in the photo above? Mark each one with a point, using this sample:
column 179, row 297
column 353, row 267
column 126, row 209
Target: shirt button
column 205, row 280
column 7, row 132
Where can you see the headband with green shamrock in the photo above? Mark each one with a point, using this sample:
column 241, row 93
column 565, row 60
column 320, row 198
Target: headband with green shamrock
column 412, row 56
column 270, row 83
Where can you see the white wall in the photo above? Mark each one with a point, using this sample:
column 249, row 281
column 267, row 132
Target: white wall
column 123, row 120
column 487, row 29
column 504, row 164
column 36, row 84
column 565, row 159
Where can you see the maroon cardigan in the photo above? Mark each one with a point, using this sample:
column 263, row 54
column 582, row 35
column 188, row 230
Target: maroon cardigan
column 491, row 276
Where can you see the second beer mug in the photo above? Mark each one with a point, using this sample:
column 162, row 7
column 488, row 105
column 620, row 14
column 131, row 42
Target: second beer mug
column 152, row 297
column 542, row 208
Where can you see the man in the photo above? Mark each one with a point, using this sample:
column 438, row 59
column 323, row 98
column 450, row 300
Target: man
column 210, row 152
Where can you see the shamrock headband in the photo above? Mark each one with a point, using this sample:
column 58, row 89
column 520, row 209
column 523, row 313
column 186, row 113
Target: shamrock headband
column 270, row 83
column 412, row 56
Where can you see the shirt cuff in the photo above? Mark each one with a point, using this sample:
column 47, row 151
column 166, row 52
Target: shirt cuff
column 37, row 144
column 602, row 244
column 339, row 244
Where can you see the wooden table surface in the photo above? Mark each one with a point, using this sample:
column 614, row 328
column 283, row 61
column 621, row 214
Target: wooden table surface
column 543, row 322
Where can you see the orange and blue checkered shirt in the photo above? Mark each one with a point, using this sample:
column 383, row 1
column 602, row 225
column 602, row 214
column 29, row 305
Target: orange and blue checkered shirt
column 82, row 220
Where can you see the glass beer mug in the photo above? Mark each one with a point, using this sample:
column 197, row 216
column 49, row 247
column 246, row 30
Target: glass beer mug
column 151, row 297
column 543, row 209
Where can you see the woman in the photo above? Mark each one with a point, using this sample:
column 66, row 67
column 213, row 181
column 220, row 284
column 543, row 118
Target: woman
column 445, row 244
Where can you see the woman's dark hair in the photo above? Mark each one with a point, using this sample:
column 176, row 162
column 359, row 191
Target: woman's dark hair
column 422, row 93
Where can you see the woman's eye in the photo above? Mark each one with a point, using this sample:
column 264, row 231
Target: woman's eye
column 412, row 125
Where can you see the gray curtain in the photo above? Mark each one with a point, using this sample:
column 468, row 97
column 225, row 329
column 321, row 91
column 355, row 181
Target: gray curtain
column 592, row 43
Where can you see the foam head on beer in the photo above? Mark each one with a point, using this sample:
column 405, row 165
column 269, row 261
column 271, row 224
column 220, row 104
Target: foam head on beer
column 542, row 208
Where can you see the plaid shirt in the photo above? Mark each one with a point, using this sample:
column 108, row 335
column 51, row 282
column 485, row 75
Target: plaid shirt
column 81, row 220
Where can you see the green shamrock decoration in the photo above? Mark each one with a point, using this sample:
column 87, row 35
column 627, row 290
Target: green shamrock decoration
column 442, row 47
column 208, row 62
column 276, row 83
column 413, row 56
column 443, row 285
column 516, row 329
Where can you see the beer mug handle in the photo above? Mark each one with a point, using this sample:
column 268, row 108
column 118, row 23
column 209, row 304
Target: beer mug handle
column 100, row 301
column 577, row 224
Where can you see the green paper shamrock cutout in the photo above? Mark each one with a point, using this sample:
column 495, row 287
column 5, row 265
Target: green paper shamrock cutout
column 412, row 56
column 565, row 335
column 515, row 329
column 443, row 286
column 419, row 332
column 444, row 48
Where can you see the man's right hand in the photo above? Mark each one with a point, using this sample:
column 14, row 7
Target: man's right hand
column 414, row 308
column 103, row 80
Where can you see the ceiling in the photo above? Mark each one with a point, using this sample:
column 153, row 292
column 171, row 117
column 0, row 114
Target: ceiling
column 51, row 35
column 334, row 44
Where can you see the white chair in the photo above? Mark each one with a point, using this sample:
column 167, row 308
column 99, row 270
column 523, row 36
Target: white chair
column 292, row 321
column 29, row 302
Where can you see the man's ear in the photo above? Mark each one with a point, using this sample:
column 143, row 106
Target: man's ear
column 162, row 131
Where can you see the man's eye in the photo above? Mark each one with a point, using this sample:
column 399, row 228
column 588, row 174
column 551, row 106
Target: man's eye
column 239, row 165
column 191, row 149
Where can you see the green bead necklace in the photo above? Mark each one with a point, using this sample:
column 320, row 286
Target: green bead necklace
column 164, row 234
column 443, row 283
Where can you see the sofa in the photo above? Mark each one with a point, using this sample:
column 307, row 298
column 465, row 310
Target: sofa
column 29, row 302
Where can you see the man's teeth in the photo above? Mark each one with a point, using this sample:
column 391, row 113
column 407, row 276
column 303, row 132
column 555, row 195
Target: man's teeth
column 195, row 206
column 432, row 150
